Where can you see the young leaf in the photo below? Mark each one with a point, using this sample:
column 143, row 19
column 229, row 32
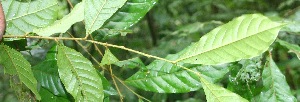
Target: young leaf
column 24, row 17
column 96, row 12
column 46, row 73
column 129, row 14
column 15, row 64
column 275, row 88
column 131, row 63
column 244, row 37
column 292, row 47
column 108, row 58
column 164, row 77
column 62, row 25
column 79, row 76
column 216, row 93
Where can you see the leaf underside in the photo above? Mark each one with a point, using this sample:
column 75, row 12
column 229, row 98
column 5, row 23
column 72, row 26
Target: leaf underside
column 98, row 11
column 22, row 18
column 79, row 76
column 244, row 37
column 15, row 64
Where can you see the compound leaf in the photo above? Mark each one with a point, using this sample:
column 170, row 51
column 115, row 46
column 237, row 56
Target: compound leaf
column 98, row 11
column 275, row 88
column 15, row 64
column 79, row 76
column 244, row 37
column 22, row 18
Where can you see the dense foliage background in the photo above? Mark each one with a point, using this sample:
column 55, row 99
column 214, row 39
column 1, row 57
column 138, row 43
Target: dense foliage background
column 170, row 26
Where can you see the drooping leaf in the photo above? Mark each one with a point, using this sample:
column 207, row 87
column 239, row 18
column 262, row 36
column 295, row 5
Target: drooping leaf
column 131, row 63
column 292, row 47
column 129, row 14
column 216, row 93
column 62, row 25
column 108, row 58
column 164, row 77
column 23, row 17
column 15, row 64
column 47, row 96
column 46, row 73
column 79, row 76
column 244, row 37
column 275, row 88
column 98, row 11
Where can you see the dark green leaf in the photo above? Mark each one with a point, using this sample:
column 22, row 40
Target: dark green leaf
column 47, row 96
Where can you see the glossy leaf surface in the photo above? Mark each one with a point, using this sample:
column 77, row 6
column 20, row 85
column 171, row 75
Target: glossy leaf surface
column 23, row 17
column 15, row 64
column 129, row 14
column 79, row 76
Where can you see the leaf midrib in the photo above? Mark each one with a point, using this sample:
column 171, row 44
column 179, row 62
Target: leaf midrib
column 178, row 60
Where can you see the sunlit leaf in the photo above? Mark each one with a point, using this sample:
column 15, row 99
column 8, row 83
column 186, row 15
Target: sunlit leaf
column 244, row 37
column 275, row 88
column 292, row 47
column 216, row 93
column 62, row 25
column 98, row 11
column 15, row 64
column 79, row 76
column 108, row 58
column 129, row 14
column 46, row 73
column 23, row 17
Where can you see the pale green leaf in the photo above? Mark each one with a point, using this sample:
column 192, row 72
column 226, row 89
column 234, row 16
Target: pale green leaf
column 22, row 18
column 244, row 37
column 108, row 58
column 96, row 12
column 164, row 77
column 215, row 93
column 292, row 47
column 15, row 64
column 275, row 88
column 131, row 63
column 129, row 14
column 62, row 25
column 79, row 76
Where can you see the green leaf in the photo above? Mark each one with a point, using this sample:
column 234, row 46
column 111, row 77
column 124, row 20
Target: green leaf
column 22, row 18
column 15, row 64
column 129, row 14
column 47, row 96
column 46, row 73
column 62, row 25
column 275, row 88
column 131, row 63
column 216, row 93
column 292, row 47
column 164, row 77
column 96, row 12
column 79, row 76
column 108, row 58
column 244, row 37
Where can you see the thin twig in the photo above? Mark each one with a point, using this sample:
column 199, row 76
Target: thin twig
column 70, row 3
